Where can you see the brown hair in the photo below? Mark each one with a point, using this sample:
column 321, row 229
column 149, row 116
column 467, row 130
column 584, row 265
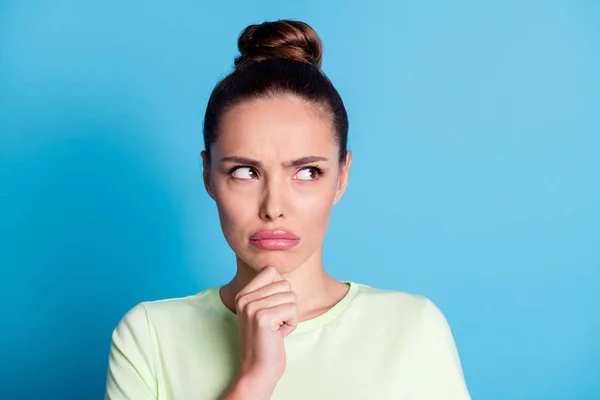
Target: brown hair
column 278, row 57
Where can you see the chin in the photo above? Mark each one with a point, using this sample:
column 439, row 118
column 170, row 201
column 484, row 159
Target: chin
column 283, row 261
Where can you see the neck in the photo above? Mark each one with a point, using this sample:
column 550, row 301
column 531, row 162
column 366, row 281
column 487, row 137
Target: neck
column 317, row 291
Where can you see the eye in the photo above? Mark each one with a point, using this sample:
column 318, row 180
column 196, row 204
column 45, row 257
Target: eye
column 244, row 173
column 309, row 174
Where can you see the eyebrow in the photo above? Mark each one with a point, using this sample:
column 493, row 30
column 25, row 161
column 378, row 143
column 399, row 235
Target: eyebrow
column 254, row 163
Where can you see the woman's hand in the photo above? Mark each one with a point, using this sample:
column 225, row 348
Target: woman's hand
column 267, row 310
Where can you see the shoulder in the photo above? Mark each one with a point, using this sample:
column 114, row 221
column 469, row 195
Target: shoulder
column 146, row 315
column 417, row 332
column 397, row 301
column 177, row 306
column 399, row 307
column 134, row 359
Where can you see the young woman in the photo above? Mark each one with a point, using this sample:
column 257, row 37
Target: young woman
column 275, row 162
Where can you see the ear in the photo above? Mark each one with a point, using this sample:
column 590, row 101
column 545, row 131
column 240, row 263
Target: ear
column 343, row 179
column 206, row 173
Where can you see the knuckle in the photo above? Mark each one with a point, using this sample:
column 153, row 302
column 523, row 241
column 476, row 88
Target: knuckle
column 241, row 301
column 251, row 308
column 261, row 317
column 239, row 296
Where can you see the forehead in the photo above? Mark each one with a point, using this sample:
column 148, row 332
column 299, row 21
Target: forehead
column 279, row 127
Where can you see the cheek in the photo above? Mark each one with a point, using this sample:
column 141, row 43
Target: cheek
column 235, row 212
column 314, row 208
column 232, row 210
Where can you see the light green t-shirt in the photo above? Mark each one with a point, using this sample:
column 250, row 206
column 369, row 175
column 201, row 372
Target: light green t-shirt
column 374, row 344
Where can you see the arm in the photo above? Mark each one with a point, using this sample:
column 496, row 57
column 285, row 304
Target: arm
column 130, row 369
column 248, row 388
column 437, row 368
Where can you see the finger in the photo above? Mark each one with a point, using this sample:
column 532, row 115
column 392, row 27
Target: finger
column 271, row 301
column 290, row 325
column 275, row 317
column 264, row 277
column 286, row 329
column 276, row 275
column 268, row 290
column 293, row 321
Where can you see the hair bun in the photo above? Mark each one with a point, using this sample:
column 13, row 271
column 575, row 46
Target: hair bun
column 287, row 39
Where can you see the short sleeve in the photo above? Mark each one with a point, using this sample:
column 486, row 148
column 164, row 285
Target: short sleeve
column 437, row 368
column 130, row 373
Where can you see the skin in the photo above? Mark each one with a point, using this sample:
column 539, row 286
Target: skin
column 274, row 131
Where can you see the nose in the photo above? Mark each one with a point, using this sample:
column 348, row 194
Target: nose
column 272, row 204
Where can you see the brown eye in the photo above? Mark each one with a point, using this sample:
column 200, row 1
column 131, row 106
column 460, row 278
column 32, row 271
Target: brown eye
column 308, row 174
column 244, row 173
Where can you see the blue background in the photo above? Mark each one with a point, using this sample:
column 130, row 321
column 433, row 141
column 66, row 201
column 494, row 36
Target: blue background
column 475, row 130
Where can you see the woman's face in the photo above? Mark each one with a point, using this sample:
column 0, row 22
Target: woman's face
column 275, row 166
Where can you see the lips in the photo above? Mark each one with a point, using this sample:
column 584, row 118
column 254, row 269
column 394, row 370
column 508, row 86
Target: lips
column 274, row 240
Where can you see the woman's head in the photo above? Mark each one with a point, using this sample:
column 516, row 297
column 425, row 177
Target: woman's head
column 275, row 134
column 277, row 58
